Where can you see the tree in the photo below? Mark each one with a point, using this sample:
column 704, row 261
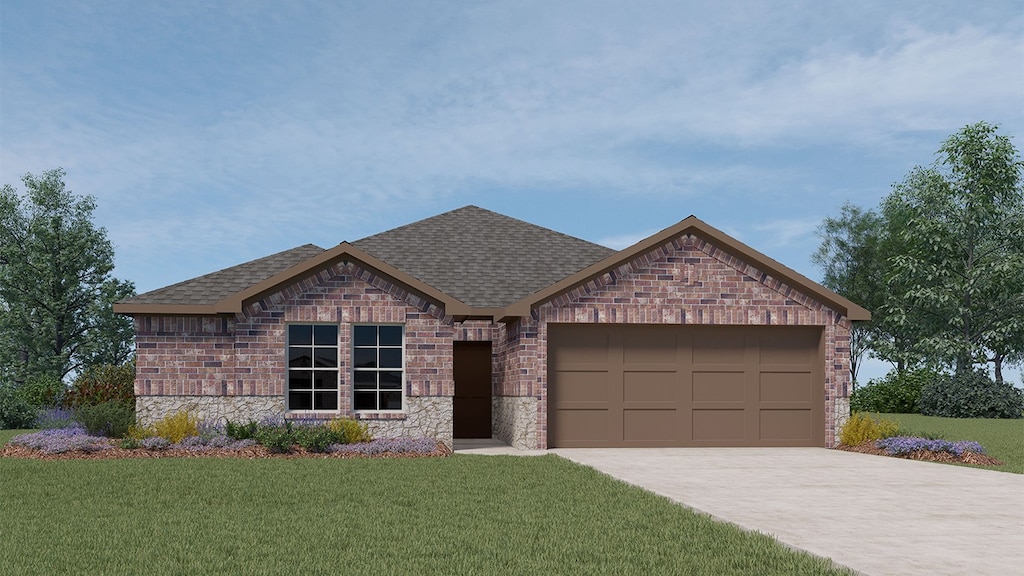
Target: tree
column 853, row 267
column 56, row 288
column 853, row 255
column 959, row 276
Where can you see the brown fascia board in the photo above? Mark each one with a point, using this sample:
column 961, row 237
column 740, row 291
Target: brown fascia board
column 234, row 303
column 129, row 309
column 719, row 239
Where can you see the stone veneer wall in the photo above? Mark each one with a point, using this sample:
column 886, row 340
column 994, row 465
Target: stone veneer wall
column 514, row 421
column 149, row 409
column 842, row 414
column 225, row 365
column 429, row 416
column 688, row 281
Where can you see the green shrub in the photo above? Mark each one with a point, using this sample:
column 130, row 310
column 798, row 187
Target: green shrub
column 43, row 391
column 15, row 410
column 239, row 431
column 277, row 439
column 112, row 418
column 350, row 430
column 103, row 383
column 176, row 427
column 316, row 438
column 897, row 393
column 971, row 395
column 861, row 428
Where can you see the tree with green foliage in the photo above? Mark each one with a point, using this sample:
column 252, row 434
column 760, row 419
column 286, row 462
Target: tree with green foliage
column 958, row 278
column 56, row 287
column 853, row 255
column 853, row 266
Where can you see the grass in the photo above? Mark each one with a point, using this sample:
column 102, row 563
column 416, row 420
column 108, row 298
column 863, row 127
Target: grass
column 457, row 515
column 6, row 435
column 1002, row 439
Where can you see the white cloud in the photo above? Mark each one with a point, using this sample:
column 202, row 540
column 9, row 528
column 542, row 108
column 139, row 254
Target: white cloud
column 621, row 241
column 228, row 148
column 785, row 232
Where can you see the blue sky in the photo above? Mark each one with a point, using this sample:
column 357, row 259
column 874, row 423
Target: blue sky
column 212, row 133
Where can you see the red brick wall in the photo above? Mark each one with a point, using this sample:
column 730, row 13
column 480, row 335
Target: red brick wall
column 246, row 355
column 686, row 281
column 179, row 356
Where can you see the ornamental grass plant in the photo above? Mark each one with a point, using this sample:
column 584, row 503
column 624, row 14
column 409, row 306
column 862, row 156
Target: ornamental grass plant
column 861, row 428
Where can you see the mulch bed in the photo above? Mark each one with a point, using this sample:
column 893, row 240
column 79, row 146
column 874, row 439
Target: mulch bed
column 251, row 453
column 926, row 455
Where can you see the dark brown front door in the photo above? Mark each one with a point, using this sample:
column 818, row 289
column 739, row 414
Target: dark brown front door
column 472, row 367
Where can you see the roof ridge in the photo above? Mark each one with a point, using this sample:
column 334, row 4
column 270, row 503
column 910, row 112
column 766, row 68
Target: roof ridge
column 489, row 212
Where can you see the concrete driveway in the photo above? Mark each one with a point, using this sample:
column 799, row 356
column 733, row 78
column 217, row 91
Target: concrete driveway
column 874, row 514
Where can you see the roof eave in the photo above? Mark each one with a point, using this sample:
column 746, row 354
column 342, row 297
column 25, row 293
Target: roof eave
column 719, row 239
column 131, row 309
column 235, row 303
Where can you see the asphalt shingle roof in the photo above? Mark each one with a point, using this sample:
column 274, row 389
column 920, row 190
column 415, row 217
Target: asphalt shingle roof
column 479, row 257
column 483, row 258
column 215, row 286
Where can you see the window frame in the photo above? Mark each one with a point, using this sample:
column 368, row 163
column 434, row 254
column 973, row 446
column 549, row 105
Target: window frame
column 378, row 389
column 313, row 368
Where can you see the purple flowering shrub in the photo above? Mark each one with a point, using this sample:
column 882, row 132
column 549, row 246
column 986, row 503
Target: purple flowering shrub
column 387, row 446
column 212, row 442
column 60, row 440
column 154, row 443
column 208, row 428
column 900, row 445
column 52, row 418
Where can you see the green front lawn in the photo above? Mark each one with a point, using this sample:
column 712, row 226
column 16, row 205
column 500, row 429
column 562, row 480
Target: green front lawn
column 1002, row 439
column 456, row 515
column 6, row 435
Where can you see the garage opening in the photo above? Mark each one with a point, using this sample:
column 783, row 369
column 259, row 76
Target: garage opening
column 672, row 385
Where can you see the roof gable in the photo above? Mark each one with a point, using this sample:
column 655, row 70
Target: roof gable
column 209, row 289
column 693, row 225
column 483, row 258
column 234, row 302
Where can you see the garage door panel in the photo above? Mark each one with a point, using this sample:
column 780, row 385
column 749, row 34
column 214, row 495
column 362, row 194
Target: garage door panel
column 582, row 427
column 719, row 346
column 645, row 385
column 785, row 387
column 719, row 386
column 649, row 387
column 785, row 425
column 788, row 347
column 649, row 347
column 582, row 347
column 583, row 387
column 653, row 426
column 719, row 425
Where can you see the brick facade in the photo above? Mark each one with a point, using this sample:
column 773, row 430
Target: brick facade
column 686, row 281
column 245, row 355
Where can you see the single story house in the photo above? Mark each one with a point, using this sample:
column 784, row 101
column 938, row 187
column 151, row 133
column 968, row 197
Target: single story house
column 474, row 324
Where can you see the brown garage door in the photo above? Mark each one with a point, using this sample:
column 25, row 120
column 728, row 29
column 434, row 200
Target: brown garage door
column 633, row 385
